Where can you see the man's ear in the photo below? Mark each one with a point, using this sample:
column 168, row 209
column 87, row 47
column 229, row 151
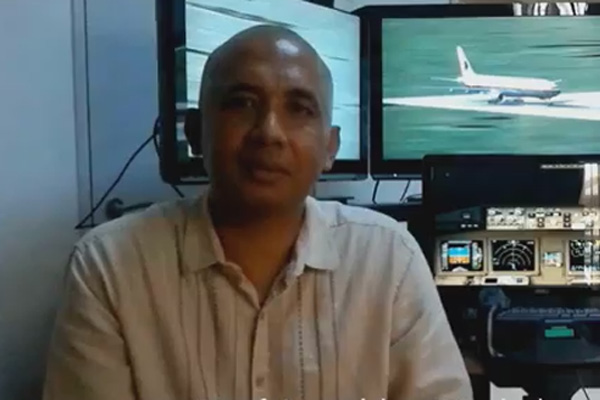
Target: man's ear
column 193, row 130
column 333, row 146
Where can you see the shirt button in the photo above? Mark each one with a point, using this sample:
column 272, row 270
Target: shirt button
column 260, row 381
column 261, row 316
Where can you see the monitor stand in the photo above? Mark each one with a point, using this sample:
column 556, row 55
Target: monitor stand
column 341, row 199
column 416, row 198
column 552, row 387
column 546, row 383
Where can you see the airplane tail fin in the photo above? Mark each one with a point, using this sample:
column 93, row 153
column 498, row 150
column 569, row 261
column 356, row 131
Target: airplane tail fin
column 465, row 66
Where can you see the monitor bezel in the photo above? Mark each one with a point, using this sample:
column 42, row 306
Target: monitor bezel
column 192, row 171
column 431, row 162
column 372, row 18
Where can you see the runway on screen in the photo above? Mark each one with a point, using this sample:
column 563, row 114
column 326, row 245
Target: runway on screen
column 581, row 106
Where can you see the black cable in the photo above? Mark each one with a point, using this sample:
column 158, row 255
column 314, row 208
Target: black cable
column 405, row 191
column 156, row 132
column 587, row 396
column 154, row 139
column 88, row 105
column 581, row 385
column 115, row 208
column 374, row 195
column 81, row 223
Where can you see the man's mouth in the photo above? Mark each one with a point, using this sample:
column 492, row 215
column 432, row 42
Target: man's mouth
column 265, row 172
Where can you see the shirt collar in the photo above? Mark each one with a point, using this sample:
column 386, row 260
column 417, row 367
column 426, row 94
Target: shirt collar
column 315, row 247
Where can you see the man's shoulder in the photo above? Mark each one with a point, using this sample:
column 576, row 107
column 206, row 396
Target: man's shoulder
column 371, row 248
column 339, row 214
column 365, row 221
column 159, row 221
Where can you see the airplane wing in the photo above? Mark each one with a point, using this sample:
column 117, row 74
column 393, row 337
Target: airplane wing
column 436, row 78
column 463, row 90
column 459, row 89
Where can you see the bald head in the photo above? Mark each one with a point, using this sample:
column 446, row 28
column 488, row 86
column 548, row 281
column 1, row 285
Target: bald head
column 265, row 127
column 266, row 41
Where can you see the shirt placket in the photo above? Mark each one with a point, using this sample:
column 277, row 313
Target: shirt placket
column 260, row 360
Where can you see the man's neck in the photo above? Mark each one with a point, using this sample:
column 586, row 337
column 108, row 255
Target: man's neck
column 260, row 243
column 234, row 217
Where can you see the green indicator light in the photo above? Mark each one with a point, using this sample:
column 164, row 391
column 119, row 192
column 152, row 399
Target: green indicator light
column 559, row 332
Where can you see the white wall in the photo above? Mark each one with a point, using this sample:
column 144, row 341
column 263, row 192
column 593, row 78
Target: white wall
column 38, row 190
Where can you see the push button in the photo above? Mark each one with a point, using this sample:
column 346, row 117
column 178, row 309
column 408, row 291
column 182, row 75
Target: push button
column 260, row 380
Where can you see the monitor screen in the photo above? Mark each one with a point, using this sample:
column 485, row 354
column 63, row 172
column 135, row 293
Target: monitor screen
column 487, row 85
column 200, row 26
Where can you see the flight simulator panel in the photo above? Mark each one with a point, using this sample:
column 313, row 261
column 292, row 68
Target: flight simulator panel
column 520, row 246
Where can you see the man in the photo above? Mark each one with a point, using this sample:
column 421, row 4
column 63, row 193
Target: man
column 255, row 291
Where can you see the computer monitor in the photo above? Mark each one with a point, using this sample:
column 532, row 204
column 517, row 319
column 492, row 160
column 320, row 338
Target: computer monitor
column 189, row 30
column 520, row 221
column 476, row 79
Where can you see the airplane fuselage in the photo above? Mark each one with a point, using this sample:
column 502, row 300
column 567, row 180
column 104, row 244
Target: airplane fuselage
column 506, row 86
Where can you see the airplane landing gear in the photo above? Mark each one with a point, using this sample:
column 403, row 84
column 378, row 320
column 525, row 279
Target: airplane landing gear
column 497, row 100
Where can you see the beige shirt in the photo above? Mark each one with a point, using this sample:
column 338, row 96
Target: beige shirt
column 153, row 311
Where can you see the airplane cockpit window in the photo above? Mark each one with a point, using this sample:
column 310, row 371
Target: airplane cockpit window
column 540, row 9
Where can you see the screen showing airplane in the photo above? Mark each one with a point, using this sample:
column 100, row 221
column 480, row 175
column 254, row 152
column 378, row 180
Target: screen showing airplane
column 206, row 24
column 502, row 85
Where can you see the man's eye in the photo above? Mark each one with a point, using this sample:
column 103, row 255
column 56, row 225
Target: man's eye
column 302, row 109
column 239, row 102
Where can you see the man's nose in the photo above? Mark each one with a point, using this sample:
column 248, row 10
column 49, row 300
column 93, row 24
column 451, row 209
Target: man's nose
column 270, row 129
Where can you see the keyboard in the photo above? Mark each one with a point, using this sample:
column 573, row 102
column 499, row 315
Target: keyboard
column 549, row 314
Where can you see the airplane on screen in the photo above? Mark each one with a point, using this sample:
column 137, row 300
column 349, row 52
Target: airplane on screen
column 503, row 87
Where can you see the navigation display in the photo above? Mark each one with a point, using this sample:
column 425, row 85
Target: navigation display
column 513, row 255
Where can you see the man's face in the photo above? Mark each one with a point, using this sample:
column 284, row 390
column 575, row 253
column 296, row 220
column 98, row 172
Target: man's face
column 266, row 130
